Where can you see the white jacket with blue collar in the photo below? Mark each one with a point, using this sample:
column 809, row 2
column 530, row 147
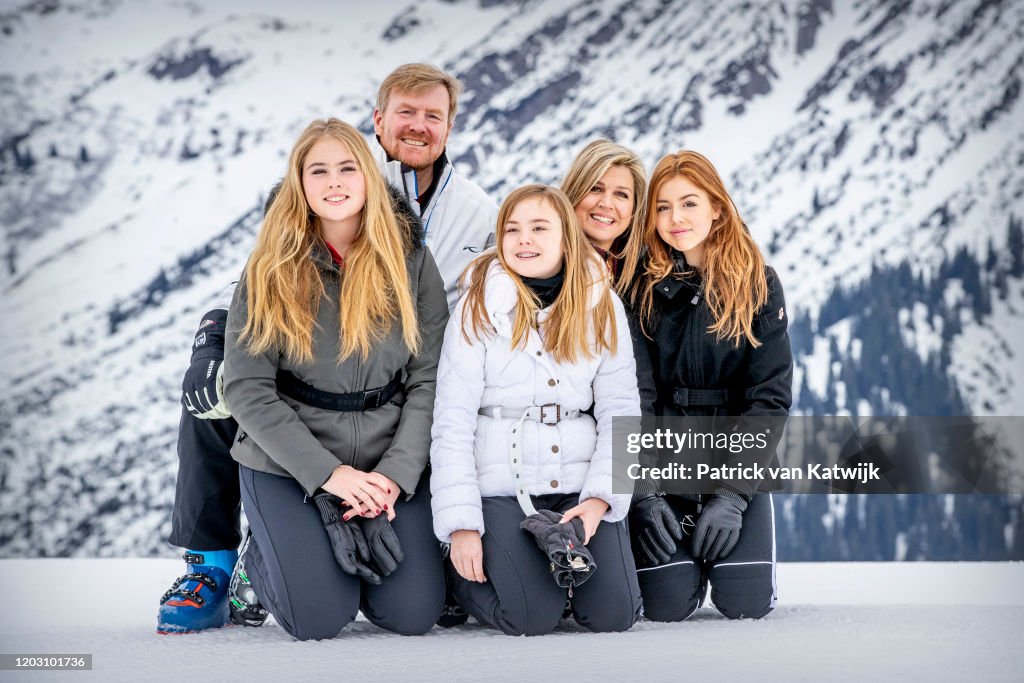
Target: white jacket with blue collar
column 469, row 452
column 458, row 221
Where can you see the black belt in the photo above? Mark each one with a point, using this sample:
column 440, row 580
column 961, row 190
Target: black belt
column 684, row 397
column 293, row 387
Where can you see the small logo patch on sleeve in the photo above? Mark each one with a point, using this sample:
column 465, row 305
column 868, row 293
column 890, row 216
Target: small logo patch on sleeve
column 782, row 313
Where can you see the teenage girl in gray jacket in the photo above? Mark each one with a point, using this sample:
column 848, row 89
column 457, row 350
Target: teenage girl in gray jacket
column 332, row 347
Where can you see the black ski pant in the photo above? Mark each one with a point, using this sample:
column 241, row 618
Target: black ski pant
column 206, row 496
column 742, row 583
column 292, row 568
column 520, row 597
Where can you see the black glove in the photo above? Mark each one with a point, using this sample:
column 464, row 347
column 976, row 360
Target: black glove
column 202, row 389
column 718, row 528
column 385, row 550
column 656, row 529
column 347, row 540
column 571, row 562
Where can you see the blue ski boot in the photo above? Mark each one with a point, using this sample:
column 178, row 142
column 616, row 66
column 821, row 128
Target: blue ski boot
column 198, row 600
column 245, row 606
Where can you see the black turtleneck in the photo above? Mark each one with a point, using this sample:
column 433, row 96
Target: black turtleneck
column 547, row 289
column 425, row 196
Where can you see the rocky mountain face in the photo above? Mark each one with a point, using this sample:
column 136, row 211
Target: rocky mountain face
column 875, row 149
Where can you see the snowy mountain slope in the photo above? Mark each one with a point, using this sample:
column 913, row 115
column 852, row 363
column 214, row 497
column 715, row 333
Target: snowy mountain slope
column 137, row 141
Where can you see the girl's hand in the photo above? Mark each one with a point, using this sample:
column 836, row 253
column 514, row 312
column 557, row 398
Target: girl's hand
column 359, row 491
column 590, row 511
column 467, row 555
column 390, row 489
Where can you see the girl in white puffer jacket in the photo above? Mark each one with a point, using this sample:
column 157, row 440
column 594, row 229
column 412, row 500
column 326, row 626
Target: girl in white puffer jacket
column 539, row 333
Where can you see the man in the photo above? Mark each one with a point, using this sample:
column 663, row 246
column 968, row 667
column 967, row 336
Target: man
column 414, row 114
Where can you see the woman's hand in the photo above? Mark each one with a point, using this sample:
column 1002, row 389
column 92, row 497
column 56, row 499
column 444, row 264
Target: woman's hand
column 590, row 511
column 390, row 489
column 361, row 491
column 467, row 555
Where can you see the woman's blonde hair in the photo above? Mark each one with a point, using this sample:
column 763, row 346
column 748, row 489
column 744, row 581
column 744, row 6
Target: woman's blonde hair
column 284, row 285
column 586, row 170
column 735, row 284
column 565, row 333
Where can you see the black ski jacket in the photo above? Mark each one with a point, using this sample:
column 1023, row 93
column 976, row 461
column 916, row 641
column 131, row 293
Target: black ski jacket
column 758, row 381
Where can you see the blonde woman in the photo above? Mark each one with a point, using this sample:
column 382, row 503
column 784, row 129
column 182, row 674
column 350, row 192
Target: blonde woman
column 538, row 338
column 606, row 184
column 717, row 321
column 332, row 343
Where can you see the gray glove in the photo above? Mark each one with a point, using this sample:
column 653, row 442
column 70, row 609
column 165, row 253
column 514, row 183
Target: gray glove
column 350, row 548
column 718, row 528
column 656, row 528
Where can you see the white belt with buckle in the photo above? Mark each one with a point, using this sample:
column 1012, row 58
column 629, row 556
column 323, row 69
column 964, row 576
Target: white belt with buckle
column 549, row 414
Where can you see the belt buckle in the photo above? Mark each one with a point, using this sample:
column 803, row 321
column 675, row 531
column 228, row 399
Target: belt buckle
column 544, row 416
column 681, row 397
column 371, row 398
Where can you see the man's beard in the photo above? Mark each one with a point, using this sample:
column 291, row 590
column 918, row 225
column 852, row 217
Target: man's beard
column 419, row 167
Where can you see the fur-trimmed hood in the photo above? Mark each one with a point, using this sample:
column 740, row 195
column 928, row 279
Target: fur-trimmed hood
column 408, row 217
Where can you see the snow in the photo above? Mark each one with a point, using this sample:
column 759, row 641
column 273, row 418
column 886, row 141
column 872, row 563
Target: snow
column 817, row 366
column 837, row 622
column 982, row 353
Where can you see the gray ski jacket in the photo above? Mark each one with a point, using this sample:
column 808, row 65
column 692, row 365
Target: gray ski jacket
column 282, row 436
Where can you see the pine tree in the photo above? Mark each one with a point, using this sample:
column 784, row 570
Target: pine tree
column 805, row 397
column 24, row 160
column 1002, row 284
column 1015, row 245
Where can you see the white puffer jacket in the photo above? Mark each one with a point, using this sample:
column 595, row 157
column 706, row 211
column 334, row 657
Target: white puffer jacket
column 469, row 453
column 458, row 221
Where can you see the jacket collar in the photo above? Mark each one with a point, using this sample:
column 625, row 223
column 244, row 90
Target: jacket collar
column 404, row 178
column 500, row 294
column 681, row 279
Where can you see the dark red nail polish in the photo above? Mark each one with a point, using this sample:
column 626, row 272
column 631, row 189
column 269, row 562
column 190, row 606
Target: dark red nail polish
column 389, row 490
column 385, row 507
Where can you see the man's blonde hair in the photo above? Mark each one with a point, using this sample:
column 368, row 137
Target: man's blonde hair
column 417, row 79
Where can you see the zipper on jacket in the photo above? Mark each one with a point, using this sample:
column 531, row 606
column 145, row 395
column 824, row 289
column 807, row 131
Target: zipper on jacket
column 354, row 416
column 355, row 436
column 693, row 335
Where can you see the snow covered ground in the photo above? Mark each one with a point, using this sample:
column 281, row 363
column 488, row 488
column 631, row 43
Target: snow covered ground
column 850, row 621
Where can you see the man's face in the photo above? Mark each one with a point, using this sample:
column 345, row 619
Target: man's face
column 414, row 128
